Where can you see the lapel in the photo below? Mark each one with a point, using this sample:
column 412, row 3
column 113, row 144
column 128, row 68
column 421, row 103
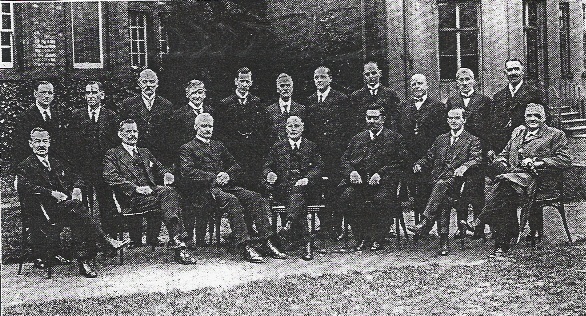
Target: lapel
column 41, row 169
column 127, row 160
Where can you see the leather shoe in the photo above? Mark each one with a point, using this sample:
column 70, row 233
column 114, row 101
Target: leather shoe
column 273, row 251
column 176, row 243
column 361, row 245
column 86, row 270
column 308, row 252
column 249, row 254
column 39, row 263
column 375, row 246
column 183, row 257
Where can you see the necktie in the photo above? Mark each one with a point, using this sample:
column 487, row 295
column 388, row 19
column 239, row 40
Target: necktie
column 45, row 162
column 242, row 100
column 373, row 91
column 320, row 98
column 46, row 115
column 134, row 152
column 94, row 116
column 453, row 139
column 417, row 100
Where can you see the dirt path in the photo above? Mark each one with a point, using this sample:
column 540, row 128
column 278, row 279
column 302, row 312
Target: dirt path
column 153, row 272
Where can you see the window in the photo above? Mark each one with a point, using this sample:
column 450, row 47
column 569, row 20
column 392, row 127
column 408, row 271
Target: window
column 458, row 37
column 86, row 31
column 164, row 39
column 566, row 70
column 533, row 27
column 138, row 39
column 6, row 35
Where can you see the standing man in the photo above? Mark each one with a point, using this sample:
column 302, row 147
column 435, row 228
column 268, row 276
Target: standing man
column 373, row 94
column 509, row 105
column 210, row 170
column 326, row 111
column 477, row 108
column 92, row 132
column 534, row 148
column 371, row 169
column 420, row 122
column 46, row 180
column 42, row 114
column 450, row 156
column 136, row 176
column 279, row 112
column 293, row 167
column 152, row 114
column 244, row 128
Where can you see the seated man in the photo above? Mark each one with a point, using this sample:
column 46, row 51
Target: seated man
column 532, row 147
column 131, row 172
column 371, row 170
column 451, row 155
column 293, row 166
column 48, row 182
column 209, row 169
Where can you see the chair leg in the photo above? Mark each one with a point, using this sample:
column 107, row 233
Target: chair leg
column 562, row 211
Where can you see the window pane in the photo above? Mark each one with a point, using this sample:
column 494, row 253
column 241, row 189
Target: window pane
column 5, row 39
column 86, row 32
column 532, row 53
column 6, row 7
column 448, row 67
column 531, row 13
column 471, row 62
column 468, row 15
column 468, row 42
column 6, row 22
column 447, row 15
column 447, row 43
column 6, row 55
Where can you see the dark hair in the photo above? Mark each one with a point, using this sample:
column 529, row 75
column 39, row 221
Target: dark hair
column 513, row 59
column 93, row 82
column 243, row 70
column 38, row 129
column 41, row 82
column 126, row 121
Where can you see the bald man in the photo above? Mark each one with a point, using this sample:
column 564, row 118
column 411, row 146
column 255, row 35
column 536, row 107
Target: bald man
column 373, row 94
column 292, row 168
column 533, row 149
column 279, row 112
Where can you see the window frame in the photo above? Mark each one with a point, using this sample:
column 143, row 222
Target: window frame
column 8, row 65
column 565, row 40
column 144, row 27
column 533, row 67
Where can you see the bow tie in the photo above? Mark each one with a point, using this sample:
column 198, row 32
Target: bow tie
column 466, row 96
column 418, row 99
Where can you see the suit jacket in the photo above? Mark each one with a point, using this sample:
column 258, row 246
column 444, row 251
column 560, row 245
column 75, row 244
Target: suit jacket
column 327, row 126
column 183, row 131
column 421, row 127
column 35, row 184
column 31, row 118
column 445, row 158
column 361, row 99
column 122, row 175
column 384, row 155
column 91, row 140
column 154, row 126
column 477, row 114
column 508, row 112
column 278, row 120
column 279, row 162
column 200, row 163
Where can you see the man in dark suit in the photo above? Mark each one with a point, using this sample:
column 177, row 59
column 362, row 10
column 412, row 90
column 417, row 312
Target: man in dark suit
column 477, row 108
column 534, row 148
column 42, row 114
column 279, row 112
column 450, row 156
column 326, row 111
column 92, row 132
column 135, row 175
column 210, row 170
column 293, row 167
column 152, row 114
column 48, row 182
column 244, row 128
column 371, row 169
column 183, row 119
column 420, row 123
column 509, row 105
column 373, row 94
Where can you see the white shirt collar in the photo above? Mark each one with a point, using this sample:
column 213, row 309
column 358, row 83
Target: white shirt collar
column 376, row 86
column 96, row 111
column 240, row 95
column 41, row 159
column 532, row 133
column 195, row 107
column 418, row 104
column 42, row 110
column 285, row 105
column 206, row 141
column 297, row 143
column 372, row 135
column 129, row 149
column 467, row 95
column 324, row 94
column 148, row 100
column 458, row 133
column 514, row 89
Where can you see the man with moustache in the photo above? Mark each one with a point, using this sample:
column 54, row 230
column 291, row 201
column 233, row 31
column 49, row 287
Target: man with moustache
column 93, row 131
column 279, row 112
column 49, row 189
column 327, row 110
column 42, row 114
column 420, row 122
column 533, row 149
column 152, row 114
column 477, row 108
column 371, row 169
column 210, row 170
column 244, row 128
column 292, row 168
column 509, row 105
column 136, row 176
column 450, row 156
column 373, row 94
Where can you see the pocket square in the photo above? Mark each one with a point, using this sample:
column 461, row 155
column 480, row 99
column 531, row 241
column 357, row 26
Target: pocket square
column 151, row 164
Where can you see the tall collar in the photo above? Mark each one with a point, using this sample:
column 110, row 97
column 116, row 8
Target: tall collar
column 458, row 133
column 515, row 89
column 195, row 107
column 96, row 111
column 373, row 135
column 295, row 143
column 239, row 95
column 285, row 105
column 203, row 140
column 376, row 86
column 324, row 94
column 129, row 149
column 42, row 109
column 467, row 95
